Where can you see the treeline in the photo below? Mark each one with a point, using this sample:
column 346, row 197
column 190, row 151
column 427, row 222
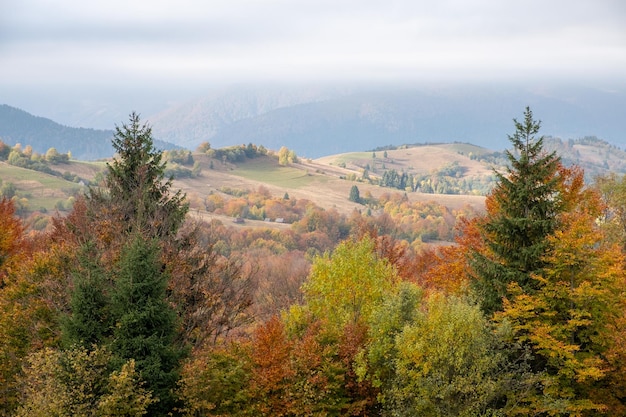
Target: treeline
column 179, row 162
column 126, row 307
column 18, row 126
column 237, row 153
column 29, row 159
column 449, row 179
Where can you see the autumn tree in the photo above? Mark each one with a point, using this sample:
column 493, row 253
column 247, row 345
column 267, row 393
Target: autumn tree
column 126, row 395
column 436, row 356
column 213, row 293
column 343, row 290
column 447, row 363
column 286, row 156
column 345, row 286
column 12, row 239
column 272, row 372
column 376, row 360
column 31, row 301
column 78, row 383
column 64, row 383
column 522, row 212
column 14, row 338
column 613, row 191
column 445, row 269
column 569, row 322
column 302, row 374
column 216, row 380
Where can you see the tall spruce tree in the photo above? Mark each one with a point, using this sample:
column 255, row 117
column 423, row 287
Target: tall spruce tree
column 521, row 213
column 145, row 323
column 137, row 185
column 120, row 286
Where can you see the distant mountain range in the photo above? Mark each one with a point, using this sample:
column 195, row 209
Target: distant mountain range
column 18, row 126
column 320, row 121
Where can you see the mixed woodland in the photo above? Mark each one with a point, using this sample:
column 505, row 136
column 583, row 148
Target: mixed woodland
column 126, row 305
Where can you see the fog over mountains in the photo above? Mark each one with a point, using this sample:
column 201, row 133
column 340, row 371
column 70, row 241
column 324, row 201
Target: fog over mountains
column 322, row 120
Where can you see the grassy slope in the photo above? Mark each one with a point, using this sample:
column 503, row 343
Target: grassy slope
column 42, row 190
column 419, row 159
column 319, row 180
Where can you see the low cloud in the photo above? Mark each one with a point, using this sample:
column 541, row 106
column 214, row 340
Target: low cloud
column 195, row 41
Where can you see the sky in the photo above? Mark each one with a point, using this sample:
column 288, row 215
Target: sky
column 93, row 48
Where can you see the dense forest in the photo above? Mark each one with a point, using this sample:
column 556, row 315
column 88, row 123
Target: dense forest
column 128, row 306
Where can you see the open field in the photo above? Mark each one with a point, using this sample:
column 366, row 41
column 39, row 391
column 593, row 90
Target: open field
column 317, row 180
column 419, row 159
column 322, row 181
column 42, row 190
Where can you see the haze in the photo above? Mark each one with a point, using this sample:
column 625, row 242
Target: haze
column 62, row 58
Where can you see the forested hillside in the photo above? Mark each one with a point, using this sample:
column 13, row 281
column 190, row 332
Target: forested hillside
column 130, row 304
column 18, row 126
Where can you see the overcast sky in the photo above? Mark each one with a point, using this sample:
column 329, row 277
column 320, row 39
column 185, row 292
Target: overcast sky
column 158, row 44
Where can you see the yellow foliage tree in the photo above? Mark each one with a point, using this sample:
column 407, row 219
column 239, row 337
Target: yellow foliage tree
column 568, row 320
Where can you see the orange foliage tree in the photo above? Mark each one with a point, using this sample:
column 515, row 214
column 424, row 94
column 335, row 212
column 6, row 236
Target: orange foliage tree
column 569, row 320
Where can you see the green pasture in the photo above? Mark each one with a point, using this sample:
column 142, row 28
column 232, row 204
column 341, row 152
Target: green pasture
column 466, row 148
column 269, row 172
column 354, row 156
column 9, row 173
column 37, row 190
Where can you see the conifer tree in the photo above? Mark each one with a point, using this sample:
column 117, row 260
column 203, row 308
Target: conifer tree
column 89, row 321
column 355, row 196
column 521, row 213
column 145, row 324
column 137, row 185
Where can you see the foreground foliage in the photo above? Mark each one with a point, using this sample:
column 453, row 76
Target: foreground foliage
column 126, row 307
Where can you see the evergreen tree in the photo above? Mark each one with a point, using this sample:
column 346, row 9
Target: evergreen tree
column 137, row 185
column 89, row 321
column 145, row 325
column 354, row 194
column 521, row 213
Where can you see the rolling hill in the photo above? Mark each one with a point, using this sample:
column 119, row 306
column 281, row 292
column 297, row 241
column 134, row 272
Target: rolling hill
column 326, row 181
column 322, row 181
